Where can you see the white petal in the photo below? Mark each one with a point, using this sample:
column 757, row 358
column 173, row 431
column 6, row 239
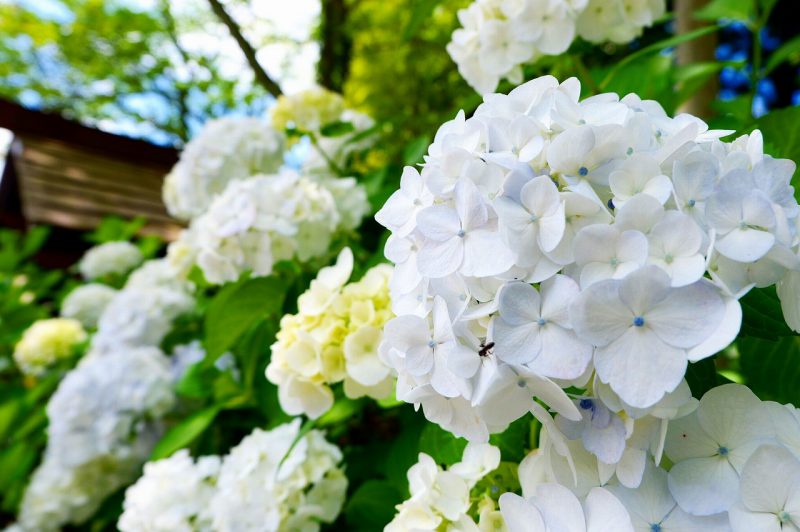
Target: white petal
column 769, row 478
column 516, row 344
column 519, row 303
column 440, row 259
column 560, row 508
column 704, row 486
column 438, row 222
column 725, row 334
column 597, row 314
column 519, row 515
column 562, row 355
column 640, row 368
column 745, row 245
column 485, row 254
column 688, row 315
column 604, row 513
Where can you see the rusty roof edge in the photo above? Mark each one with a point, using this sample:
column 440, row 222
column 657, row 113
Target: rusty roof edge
column 23, row 121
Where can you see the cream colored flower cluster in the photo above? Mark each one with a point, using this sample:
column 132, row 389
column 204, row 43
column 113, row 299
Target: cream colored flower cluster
column 46, row 342
column 307, row 111
column 441, row 499
column 333, row 338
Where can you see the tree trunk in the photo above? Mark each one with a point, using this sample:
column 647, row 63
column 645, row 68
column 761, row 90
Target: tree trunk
column 335, row 45
column 696, row 51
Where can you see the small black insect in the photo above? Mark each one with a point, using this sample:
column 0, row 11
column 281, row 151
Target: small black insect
column 486, row 349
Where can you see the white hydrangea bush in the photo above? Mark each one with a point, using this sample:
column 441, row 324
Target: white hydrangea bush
column 143, row 312
column 102, row 427
column 731, row 464
column 497, row 37
column 278, row 480
column 551, row 243
column 172, row 495
column 225, row 150
column 111, row 258
column 86, row 303
column 259, row 221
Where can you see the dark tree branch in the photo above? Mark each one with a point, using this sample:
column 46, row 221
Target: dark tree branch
column 247, row 49
column 335, row 45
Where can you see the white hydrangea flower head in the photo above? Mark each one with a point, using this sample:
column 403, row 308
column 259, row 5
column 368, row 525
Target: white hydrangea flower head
column 440, row 499
column 111, row 258
column 268, row 218
column 266, row 483
column 554, row 507
column 101, row 431
column 333, row 338
column 46, row 342
column 225, row 150
column 617, row 21
column 138, row 316
column 86, row 303
column 172, row 495
column 497, row 37
column 652, row 507
column 769, row 495
column 709, row 448
column 550, row 243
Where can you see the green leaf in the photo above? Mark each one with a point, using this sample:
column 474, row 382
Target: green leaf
column 371, row 507
column 184, row 433
column 421, row 11
column 789, row 51
column 197, row 381
column 513, row 442
column 414, row 150
column 771, row 368
column 741, row 10
column 701, row 376
column 441, row 445
column 34, row 240
column 236, row 308
column 656, row 47
column 781, row 130
column 336, row 129
column 762, row 316
column 342, row 410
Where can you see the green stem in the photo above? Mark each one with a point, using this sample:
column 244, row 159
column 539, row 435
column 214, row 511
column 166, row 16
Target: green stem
column 335, row 168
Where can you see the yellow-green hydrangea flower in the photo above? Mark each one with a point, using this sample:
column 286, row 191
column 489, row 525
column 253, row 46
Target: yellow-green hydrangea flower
column 333, row 338
column 46, row 342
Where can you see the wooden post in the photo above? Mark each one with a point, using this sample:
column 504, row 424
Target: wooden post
column 696, row 51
